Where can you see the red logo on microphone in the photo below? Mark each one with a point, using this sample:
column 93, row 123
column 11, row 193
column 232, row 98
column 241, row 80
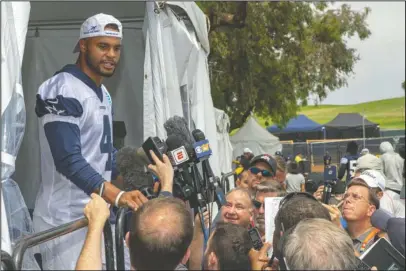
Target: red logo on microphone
column 180, row 155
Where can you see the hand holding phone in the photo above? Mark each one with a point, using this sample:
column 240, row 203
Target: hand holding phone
column 255, row 238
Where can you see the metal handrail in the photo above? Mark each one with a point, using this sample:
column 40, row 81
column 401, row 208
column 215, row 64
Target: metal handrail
column 7, row 261
column 224, row 177
column 120, row 223
column 44, row 236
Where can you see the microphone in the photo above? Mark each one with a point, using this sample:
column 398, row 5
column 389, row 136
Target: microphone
column 131, row 163
column 178, row 126
column 203, row 151
column 203, row 148
column 380, row 218
column 178, row 155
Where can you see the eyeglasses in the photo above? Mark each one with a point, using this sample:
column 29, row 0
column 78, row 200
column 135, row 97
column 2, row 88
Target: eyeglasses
column 355, row 196
column 264, row 172
column 295, row 194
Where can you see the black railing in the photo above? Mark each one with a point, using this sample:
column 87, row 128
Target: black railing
column 41, row 237
column 226, row 185
column 7, row 261
column 120, row 232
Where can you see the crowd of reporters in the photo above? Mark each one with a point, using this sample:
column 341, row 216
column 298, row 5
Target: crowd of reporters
column 165, row 234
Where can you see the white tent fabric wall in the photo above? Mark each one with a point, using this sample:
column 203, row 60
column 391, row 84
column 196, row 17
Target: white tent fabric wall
column 14, row 20
column 255, row 137
column 223, row 138
column 15, row 219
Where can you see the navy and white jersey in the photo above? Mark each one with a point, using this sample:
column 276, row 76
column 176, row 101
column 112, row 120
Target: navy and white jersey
column 350, row 162
column 75, row 132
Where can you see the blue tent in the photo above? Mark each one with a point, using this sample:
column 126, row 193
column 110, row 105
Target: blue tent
column 299, row 124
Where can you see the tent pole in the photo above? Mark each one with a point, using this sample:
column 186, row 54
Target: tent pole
column 76, row 22
column 363, row 128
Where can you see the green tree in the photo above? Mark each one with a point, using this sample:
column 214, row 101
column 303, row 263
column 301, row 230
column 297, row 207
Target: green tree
column 268, row 57
column 403, row 85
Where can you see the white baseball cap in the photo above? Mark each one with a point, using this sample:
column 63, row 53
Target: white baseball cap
column 247, row 150
column 373, row 178
column 95, row 27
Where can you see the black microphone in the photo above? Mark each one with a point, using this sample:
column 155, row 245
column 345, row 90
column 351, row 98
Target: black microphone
column 177, row 126
column 178, row 155
column 203, row 152
column 131, row 163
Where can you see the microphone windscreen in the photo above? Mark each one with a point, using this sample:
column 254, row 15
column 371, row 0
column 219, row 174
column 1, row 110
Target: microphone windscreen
column 380, row 218
column 173, row 142
column 178, row 126
column 131, row 164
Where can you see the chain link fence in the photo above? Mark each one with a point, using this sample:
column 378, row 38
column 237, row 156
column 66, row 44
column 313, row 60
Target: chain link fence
column 314, row 150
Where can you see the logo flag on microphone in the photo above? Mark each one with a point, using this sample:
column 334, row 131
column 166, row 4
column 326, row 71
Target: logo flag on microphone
column 179, row 155
column 202, row 149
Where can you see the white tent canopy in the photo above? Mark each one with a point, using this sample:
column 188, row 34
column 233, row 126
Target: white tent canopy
column 163, row 71
column 255, row 137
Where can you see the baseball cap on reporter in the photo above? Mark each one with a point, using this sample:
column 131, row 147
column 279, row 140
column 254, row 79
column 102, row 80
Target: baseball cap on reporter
column 373, row 178
column 267, row 159
column 95, row 26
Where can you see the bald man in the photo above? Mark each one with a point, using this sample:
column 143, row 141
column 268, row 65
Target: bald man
column 161, row 232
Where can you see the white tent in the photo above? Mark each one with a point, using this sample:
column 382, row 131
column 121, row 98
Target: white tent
column 225, row 148
column 163, row 71
column 255, row 137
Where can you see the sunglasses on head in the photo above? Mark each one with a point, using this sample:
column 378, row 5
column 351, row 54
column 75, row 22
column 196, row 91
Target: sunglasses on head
column 264, row 172
column 295, row 194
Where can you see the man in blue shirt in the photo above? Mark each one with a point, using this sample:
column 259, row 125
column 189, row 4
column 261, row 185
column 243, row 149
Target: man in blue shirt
column 348, row 162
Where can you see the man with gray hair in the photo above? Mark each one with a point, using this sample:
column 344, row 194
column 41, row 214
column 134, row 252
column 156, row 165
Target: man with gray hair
column 266, row 189
column 329, row 249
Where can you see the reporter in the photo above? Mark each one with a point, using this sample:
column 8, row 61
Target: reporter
column 228, row 248
column 329, row 249
column 259, row 259
column 97, row 212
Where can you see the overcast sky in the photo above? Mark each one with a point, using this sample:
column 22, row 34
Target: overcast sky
column 381, row 70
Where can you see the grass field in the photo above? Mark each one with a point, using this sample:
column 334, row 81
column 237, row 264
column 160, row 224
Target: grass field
column 389, row 113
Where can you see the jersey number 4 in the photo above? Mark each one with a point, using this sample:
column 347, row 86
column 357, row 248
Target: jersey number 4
column 106, row 145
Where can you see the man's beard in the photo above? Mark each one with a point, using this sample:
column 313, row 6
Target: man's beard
column 260, row 225
column 95, row 68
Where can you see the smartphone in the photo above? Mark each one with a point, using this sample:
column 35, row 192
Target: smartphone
column 255, row 238
column 156, row 145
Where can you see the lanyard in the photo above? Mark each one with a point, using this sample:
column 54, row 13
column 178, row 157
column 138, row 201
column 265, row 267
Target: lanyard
column 371, row 235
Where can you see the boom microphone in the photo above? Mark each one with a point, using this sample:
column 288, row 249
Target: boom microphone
column 131, row 163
